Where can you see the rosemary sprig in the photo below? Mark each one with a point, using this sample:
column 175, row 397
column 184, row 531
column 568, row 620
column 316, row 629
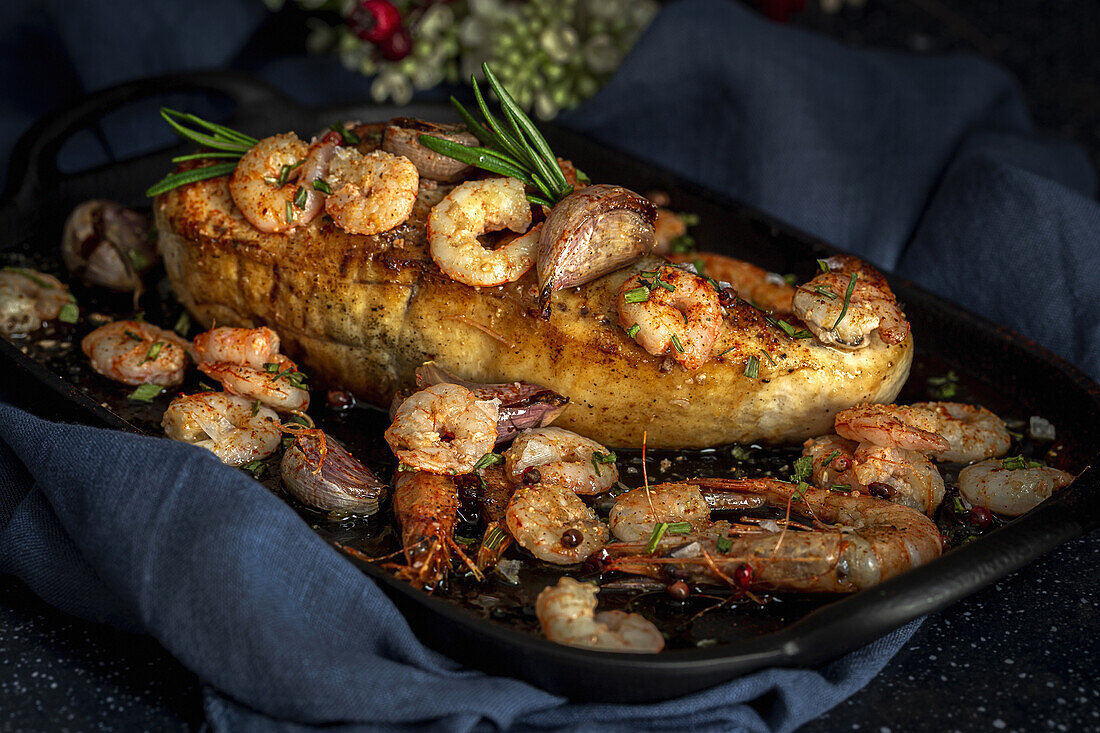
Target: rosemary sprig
column 224, row 142
column 513, row 148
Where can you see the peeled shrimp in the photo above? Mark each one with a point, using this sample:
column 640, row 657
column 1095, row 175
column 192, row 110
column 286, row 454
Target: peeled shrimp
column 901, row 426
column 472, row 209
column 679, row 315
column 443, row 429
column 135, row 352
column 371, row 193
column 426, row 507
column 871, row 540
column 231, row 427
column 277, row 387
column 273, row 174
column 637, row 512
column 872, row 307
column 1007, row 490
column 252, row 347
column 764, row 289
column 567, row 614
column 562, row 458
column 553, row 524
column 27, row 298
column 973, row 431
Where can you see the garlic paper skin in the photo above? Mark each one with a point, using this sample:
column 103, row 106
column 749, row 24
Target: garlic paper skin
column 522, row 405
column 108, row 245
column 402, row 138
column 590, row 233
column 320, row 473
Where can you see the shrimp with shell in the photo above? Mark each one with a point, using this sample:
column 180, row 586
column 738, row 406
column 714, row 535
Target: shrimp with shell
column 472, row 209
column 426, row 507
column 567, row 615
column 868, row 542
column 948, row 431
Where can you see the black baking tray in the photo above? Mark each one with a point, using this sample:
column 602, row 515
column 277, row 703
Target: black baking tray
column 39, row 196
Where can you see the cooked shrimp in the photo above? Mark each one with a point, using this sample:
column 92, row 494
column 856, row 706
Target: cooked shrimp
column 638, row 511
column 443, row 429
column 553, row 524
column 252, row 347
column 27, row 298
column 275, row 173
column 666, row 228
column 371, row 193
column 472, row 209
column 871, row 541
column 231, row 427
column 671, row 310
column 847, row 323
column 567, row 615
column 761, row 288
column 562, row 458
column 832, row 459
column 901, row 426
column 973, row 431
column 278, row 386
column 1010, row 491
column 134, row 352
column 904, row 476
column 426, row 507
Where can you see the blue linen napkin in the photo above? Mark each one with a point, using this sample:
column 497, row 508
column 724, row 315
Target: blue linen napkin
column 926, row 166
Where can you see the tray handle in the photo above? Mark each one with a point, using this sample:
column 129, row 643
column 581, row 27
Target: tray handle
column 34, row 160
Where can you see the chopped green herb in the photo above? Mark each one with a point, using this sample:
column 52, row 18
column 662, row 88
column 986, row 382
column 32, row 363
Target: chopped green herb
column 658, row 532
column 752, row 367
column 802, row 333
column 676, row 343
column 183, row 325
column 465, row 541
column 1014, row 434
column 679, row 527
column 1015, row 463
column 255, row 407
column 347, row 133
column 637, row 295
column 782, row 325
column 300, row 197
column 153, row 352
column 683, row 244
column 829, row 460
column 945, row 387
column 803, row 468
column 842, row 488
column 286, row 170
column 69, row 313
column 739, row 453
column 769, row 358
column 489, row 459
column 723, row 353
column 145, row 393
column 204, row 387
column 138, row 260
column 662, row 284
column 598, row 458
column 140, row 316
column 256, row 468
column 724, row 545
column 633, row 330
column 271, row 367
column 824, row 266
column 320, row 184
column 582, row 177
column 131, row 334
column 689, row 218
column 289, row 212
column 820, row 290
column 959, row 507
column 847, row 300
column 700, row 266
column 800, row 490
column 791, row 279
column 493, row 538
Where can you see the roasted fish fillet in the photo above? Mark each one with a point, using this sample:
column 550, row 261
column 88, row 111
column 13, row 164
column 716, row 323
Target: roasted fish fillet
column 363, row 312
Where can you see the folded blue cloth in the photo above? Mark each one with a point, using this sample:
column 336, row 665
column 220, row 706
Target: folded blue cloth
column 926, row 166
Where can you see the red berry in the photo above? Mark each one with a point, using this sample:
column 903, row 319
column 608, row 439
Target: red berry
column 980, row 517
column 374, row 20
column 727, row 297
column 743, row 576
column 397, row 46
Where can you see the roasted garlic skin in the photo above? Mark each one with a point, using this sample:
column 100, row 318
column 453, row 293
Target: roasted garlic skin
column 108, row 245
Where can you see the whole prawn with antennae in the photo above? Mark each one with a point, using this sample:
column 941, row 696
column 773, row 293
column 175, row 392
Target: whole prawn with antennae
column 426, row 507
column 869, row 541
